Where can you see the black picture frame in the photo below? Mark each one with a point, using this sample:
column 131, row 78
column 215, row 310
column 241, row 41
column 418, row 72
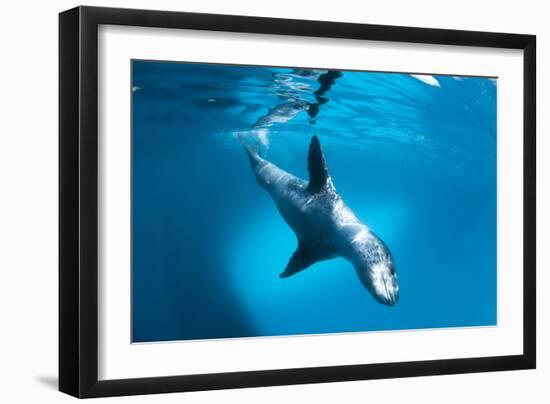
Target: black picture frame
column 78, row 201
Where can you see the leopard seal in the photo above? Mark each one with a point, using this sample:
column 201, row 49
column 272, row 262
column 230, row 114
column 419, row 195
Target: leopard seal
column 324, row 225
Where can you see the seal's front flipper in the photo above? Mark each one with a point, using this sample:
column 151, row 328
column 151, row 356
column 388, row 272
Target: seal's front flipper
column 319, row 177
column 302, row 258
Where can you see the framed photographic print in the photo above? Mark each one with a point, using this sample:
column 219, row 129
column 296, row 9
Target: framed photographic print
column 251, row 201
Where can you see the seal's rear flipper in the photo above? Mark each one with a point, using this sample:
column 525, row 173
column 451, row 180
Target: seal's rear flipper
column 251, row 151
column 302, row 258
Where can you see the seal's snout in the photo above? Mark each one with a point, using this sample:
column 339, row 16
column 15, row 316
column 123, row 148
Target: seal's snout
column 390, row 295
column 380, row 279
column 384, row 283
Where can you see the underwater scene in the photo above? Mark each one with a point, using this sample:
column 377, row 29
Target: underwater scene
column 281, row 201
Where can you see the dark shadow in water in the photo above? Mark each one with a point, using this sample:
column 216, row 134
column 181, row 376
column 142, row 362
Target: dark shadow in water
column 48, row 381
column 181, row 286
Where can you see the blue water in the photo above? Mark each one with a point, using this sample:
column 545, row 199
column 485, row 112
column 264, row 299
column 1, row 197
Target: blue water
column 415, row 158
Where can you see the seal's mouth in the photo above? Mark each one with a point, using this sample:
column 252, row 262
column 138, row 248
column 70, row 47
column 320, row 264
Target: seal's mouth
column 391, row 293
column 384, row 282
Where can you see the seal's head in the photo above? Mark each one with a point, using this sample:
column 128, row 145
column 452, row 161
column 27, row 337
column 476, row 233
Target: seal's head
column 375, row 267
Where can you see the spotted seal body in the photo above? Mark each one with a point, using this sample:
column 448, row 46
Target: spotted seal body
column 324, row 225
